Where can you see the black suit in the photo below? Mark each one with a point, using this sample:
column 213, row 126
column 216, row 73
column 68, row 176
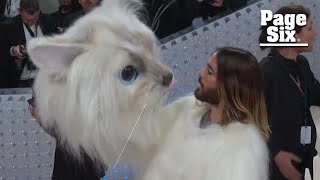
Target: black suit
column 288, row 111
column 12, row 34
column 5, row 64
column 3, row 4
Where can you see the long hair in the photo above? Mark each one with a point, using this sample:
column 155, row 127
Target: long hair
column 240, row 88
column 290, row 9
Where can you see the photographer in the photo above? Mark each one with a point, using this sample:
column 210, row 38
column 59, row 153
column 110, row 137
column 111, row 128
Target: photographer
column 17, row 31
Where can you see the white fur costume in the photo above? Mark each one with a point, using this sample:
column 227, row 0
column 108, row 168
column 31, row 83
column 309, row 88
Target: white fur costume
column 236, row 152
column 96, row 79
column 81, row 91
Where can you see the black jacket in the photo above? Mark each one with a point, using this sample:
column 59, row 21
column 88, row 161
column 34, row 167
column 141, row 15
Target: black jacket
column 67, row 166
column 3, row 4
column 12, row 34
column 166, row 17
column 71, row 18
column 59, row 18
column 287, row 109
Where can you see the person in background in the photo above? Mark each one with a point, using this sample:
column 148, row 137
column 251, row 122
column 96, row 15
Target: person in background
column 86, row 5
column 210, row 8
column 9, row 8
column 166, row 17
column 291, row 88
column 15, row 33
column 65, row 9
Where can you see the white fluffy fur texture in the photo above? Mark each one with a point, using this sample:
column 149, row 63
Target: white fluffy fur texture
column 79, row 92
column 79, row 88
column 236, row 152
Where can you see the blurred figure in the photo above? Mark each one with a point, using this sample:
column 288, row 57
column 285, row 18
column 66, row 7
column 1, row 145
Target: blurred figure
column 210, row 8
column 166, row 17
column 9, row 8
column 65, row 8
column 86, row 5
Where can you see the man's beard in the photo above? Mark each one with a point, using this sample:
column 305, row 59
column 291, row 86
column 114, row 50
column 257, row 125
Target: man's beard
column 209, row 96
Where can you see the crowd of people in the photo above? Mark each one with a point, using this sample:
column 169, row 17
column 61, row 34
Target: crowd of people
column 20, row 22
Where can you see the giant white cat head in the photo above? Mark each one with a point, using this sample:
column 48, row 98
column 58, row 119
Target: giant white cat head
column 97, row 78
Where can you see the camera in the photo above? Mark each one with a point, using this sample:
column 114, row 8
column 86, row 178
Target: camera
column 30, row 65
column 23, row 51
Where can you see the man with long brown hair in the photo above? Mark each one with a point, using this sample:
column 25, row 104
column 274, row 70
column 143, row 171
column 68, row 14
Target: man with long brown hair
column 224, row 137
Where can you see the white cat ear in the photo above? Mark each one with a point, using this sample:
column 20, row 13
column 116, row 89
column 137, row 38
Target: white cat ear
column 53, row 56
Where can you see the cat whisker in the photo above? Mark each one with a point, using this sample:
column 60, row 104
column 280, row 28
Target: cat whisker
column 156, row 18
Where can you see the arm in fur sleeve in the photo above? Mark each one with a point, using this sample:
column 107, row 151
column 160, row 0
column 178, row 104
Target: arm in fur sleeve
column 250, row 163
column 169, row 114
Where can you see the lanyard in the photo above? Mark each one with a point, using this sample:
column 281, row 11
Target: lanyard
column 305, row 92
column 297, row 83
column 31, row 32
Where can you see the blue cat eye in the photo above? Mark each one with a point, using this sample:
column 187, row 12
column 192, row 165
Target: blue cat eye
column 129, row 75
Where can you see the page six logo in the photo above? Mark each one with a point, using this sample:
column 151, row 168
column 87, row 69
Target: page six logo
column 282, row 32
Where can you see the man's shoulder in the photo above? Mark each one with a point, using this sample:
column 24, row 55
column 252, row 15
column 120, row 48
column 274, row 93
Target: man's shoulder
column 269, row 67
column 267, row 62
column 185, row 107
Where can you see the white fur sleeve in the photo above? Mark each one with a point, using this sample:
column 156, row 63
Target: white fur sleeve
column 250, row 165
column 237, row 152
column 169, row 114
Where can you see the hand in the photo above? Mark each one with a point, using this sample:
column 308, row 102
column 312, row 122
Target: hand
column 16, row 52
column 284, row 161
column 33, row 111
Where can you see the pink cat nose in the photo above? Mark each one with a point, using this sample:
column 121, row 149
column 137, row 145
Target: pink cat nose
column 167, row 79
